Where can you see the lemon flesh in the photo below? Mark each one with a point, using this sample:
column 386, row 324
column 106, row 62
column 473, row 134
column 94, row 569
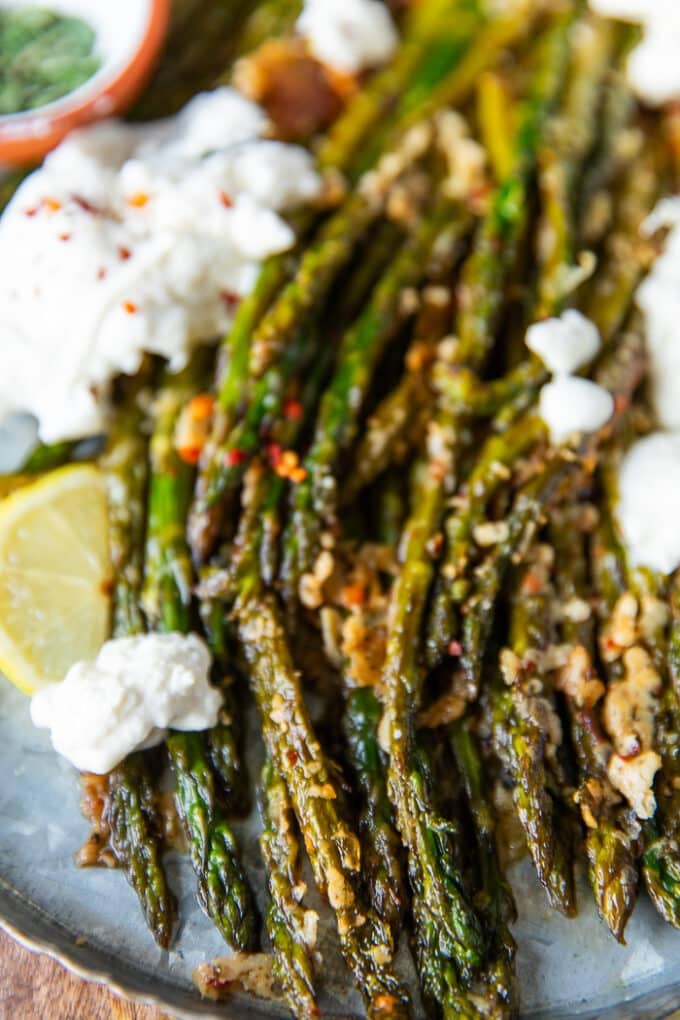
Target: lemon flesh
column 55, row 576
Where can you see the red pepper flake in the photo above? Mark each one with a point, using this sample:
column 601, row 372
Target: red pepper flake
column 235, row 457
column 455, row 648
column 274, row 453
column 293, row 757
column 101, row 273
column 124, row 253
column 352, row 595
column 85, row 205
column 533, row 584
column 190, row 454
column 226, row 200
column 293, row 410
column 201, row 407
column 33, row 211
column 64, row 237
column 231, row 299
column 130, row 307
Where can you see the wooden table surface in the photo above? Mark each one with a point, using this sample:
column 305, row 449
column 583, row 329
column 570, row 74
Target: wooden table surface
column 34, row 987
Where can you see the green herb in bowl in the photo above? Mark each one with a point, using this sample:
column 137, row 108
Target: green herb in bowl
column 43, row 56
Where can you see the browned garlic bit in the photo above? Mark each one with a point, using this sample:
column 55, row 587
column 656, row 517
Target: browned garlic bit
column 629, row 717
column 578, row 680
column 634, row 778
column 301, row 95
column 363, row 647
column 621, row 630
column 253, row 972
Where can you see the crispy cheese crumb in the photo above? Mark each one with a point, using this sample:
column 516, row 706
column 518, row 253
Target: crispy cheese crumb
column 577, row 679
column 253, row 972
column 621, row 630
column 634, row 778
column 491, row 533
column 630, row 704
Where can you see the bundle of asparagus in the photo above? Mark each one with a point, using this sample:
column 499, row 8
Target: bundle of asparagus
column 377, row 479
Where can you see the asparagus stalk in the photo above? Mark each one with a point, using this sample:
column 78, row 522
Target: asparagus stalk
column 332, row 846
column 522, row 712
column 223, row 746
column 381, row 867
column 436, row 35
column 131, row 813
column 661, row 857
column 135, row 836
column 498, row 906
column 611, row 849
column 291, row 928
column 223, row 889
column 399, row 419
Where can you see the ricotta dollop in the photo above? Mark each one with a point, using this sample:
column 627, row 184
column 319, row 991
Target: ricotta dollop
column 649, row 475
column 134, row 239
column 568, row 404
column 653, row 66
column 127, row 699
column 349, row 35
column 649, row 501
column 564, row 344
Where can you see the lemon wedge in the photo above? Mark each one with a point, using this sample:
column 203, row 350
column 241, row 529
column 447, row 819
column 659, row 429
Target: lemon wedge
column 55, row 576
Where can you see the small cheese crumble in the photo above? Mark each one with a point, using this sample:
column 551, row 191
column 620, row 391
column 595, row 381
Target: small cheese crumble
column 570, row 405
column 566, row 344
column 634, row 778
column 349, row 35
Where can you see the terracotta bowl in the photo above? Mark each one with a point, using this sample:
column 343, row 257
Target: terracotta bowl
column 130, row 34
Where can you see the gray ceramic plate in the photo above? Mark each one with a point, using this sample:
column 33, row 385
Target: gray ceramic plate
column 90, row 920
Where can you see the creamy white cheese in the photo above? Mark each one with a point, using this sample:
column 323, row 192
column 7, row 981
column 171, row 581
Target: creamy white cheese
column 653, row 66
column 658, row 297
column 569, row 405
column 649, row 501
column 349, row 35
column 137, row 688
column 133, row 239
column 564, row 344
column 649, row 475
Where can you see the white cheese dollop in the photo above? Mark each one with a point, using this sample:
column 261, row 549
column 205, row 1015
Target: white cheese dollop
column 569, row 405
column 649, row 501
column 565, row 344
column 133, row 239
column 653, row 66
column 137, row 688
column 349, row 35
column 658, row 297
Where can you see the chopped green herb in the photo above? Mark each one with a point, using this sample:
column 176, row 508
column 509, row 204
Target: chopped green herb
column 43, row 56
